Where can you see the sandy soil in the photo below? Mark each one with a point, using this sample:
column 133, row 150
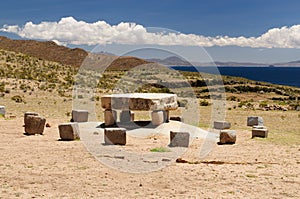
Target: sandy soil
column 40, row 166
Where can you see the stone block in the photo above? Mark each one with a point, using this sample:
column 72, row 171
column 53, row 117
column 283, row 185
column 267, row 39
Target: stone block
column 115, row 136
column 179, row 139
column 80, row 115
column 69, row 131
column 263, row 133
column 126, row 116
column 222, row 125
column 255, row 121
column 28, row 114
column 227, row 137
column 2, row 111
column 157, row 117
column 110, row 117
column 34, row 125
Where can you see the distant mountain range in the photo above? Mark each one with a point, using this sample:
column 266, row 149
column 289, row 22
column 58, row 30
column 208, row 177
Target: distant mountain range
column 49, row 50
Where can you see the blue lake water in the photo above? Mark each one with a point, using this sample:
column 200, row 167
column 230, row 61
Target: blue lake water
column 276, row 75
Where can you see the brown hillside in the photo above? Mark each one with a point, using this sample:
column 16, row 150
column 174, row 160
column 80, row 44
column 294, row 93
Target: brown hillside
column 48, row 50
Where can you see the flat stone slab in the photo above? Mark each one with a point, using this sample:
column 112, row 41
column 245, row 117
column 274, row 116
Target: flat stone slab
column 222, row 125
column 140, row 101
column 69, row 131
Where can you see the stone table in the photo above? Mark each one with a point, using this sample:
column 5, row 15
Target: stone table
column 159, row 103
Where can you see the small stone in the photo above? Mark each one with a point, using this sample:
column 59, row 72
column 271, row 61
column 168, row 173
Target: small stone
column 263, row 133
column 115, row 136
column 34, row 125
column 222, row 125
column 179, row 139
column 227, row 137
column 80, row 115
column 48, row 125
column 69, row 131
column 255, row 121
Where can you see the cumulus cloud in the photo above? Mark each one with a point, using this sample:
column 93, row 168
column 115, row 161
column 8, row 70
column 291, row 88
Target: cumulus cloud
column 70, row 31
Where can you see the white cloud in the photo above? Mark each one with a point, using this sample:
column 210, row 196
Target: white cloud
column 70, row 31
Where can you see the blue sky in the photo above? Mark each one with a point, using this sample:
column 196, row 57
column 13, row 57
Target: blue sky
column 203, row 18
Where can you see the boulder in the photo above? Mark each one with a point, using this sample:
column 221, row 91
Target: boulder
column 80, row 115
column 222, row 125
column 113, row 136
column 34, row 125
column 110, row 117
column 179, row 139
column 126, row 116
column 157, row 117
column 227, row 137
column 255, row 121
column 263, row 133
column 69, row 131
column 2, row 111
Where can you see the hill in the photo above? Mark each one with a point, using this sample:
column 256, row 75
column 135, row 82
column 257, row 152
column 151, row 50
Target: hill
column 50, row 51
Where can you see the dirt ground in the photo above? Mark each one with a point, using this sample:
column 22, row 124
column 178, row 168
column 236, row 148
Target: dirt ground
column 40, row 166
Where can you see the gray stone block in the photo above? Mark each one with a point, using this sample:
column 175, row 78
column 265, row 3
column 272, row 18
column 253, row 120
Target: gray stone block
column 263, row 133
column 110, row 117
column 255, row 121
column 34, row 125
column 69, row 131
column 227, row 137
column 2, row 110
column 157, row 117
column 126, row 116
column 179, row 139
column 80, row 115
column 113, row 136
column 222, row 125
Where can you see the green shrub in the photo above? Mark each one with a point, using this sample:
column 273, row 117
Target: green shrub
column 17, row 99
column 204, row 103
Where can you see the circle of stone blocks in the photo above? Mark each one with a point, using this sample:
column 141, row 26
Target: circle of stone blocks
column 80, row 115
column 126, row 116
column 222, row 125
column 110, row 117
column 179, row 139
column 34, row 124
column 259, row 132
column 227, row 137
column 28, row 114
column 2, row 111
column 255, row 121
column 114, row 136
column 69, row 131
